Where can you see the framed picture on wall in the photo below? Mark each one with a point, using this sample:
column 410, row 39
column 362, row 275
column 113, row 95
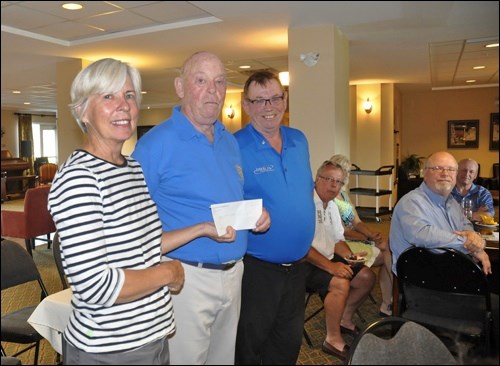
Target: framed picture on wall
column 494, row 131
column 141, row 130
column 463, row 134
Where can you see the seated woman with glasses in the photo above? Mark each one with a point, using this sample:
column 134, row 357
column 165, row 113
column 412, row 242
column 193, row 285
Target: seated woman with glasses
column 359, row 237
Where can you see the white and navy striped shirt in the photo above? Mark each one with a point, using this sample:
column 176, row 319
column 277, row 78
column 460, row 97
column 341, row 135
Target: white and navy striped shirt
column 108, row 222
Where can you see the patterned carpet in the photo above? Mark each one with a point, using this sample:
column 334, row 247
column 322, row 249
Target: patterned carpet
column 28, row 295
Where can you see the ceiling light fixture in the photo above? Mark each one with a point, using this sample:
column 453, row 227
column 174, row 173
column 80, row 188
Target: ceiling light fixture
column 479, row 67
column 230, row 112
column 491, row 45
column 367, row 106
column 244, row 66
column 72, row 6
column 284, row 77
column 310, row 59
column 470, row 81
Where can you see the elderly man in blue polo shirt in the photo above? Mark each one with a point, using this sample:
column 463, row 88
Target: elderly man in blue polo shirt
column 190, row 162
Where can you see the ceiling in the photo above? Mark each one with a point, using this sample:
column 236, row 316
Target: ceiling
column 418, row 46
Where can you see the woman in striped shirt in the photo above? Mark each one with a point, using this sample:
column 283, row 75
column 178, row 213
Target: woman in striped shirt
column 110, row 232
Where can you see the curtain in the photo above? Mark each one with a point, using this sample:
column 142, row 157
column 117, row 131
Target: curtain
column 26, row 134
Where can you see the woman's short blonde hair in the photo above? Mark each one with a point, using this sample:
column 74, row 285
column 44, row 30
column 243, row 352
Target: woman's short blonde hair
column 344, row 162
column 103, row 76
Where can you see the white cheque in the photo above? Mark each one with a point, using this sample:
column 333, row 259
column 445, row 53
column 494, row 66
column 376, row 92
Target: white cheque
column 241, row 215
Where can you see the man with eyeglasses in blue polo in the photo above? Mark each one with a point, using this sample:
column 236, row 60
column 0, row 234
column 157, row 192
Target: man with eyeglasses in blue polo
column 276, row 168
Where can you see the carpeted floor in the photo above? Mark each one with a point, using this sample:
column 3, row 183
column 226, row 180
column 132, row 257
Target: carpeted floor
column 28, row 294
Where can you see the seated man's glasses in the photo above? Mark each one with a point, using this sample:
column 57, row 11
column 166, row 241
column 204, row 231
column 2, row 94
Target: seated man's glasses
column 331, row 180
column 442, row 169
column 263, row 102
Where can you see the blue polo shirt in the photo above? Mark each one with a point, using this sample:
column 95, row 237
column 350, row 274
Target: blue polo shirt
column 284, row 182
column 185, row 174
column 479, row 195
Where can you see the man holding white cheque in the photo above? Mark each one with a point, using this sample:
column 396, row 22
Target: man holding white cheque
column 190, row 162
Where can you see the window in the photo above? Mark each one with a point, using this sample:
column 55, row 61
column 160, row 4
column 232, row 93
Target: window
column 45, row 141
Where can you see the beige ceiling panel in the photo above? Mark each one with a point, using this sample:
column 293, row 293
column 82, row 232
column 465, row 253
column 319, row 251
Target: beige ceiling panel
column 170, row 11
column 27, row 19
column 70, row 31
column 90, row 8
column 118, row 21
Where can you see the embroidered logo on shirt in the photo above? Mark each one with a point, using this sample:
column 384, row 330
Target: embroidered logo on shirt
column 264, row 169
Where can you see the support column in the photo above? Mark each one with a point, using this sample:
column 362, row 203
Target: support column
column 69, row 135
column 319, row 94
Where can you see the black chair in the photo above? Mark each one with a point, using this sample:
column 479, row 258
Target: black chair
column 398, row 341
column 57, row 258
column 309, row 294
column 446, row 291
column 18, row 268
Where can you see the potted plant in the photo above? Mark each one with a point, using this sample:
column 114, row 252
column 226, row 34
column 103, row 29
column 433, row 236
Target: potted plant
column 411, row 165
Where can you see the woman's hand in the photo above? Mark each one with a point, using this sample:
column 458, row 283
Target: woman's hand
column 176, row 274
column 211, row 232
column 376, row 237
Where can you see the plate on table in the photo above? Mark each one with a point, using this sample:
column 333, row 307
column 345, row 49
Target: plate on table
column 488, row 226
column 355, row 260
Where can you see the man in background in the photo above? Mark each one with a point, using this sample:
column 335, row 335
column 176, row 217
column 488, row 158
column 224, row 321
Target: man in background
column 465, row 189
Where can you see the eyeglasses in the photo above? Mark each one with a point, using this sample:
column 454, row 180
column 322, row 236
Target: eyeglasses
column 331, row 180
column 442, row 169
column 263, row 102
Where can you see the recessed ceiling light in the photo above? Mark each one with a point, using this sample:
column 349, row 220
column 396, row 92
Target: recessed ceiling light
column 16, row 92
column 144, row 92
column 491, row 45
column 27, row 103
column 470, row 81
column 479, row 67
column 245, row 67
column 72, row 6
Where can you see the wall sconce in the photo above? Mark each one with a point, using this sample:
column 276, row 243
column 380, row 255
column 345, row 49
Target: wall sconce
column 230, row 112
column 310, row 59
column 367, row 106
column 284, row 77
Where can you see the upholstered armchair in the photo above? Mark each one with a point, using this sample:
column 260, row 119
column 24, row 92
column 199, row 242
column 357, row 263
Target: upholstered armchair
column 34, row 221
column 46, row 173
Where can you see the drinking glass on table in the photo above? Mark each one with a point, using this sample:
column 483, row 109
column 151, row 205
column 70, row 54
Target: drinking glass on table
column 467, row 208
